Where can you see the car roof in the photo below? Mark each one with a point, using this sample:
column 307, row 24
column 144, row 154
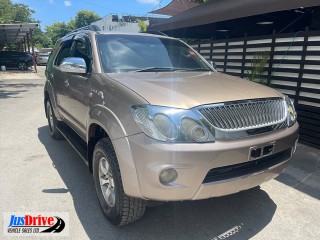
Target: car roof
column 134, row 34
column 117, row 33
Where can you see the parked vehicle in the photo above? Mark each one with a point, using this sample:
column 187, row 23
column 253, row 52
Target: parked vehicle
column 154, row 121
column 15, row 59
column 42, row 58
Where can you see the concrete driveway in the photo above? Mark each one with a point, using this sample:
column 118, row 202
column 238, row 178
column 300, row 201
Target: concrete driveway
column 39, row 174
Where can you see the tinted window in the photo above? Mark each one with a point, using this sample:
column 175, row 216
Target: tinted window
column 64, row 52
column 81, row 49
column 122, row 53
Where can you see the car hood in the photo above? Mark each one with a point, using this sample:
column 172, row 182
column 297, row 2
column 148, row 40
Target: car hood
column 188, row 90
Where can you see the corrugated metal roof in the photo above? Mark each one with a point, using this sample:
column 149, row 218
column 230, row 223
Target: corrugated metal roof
column 14, row 33
column 175, row 7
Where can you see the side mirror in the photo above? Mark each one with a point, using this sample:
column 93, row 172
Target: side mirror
column 73, row 65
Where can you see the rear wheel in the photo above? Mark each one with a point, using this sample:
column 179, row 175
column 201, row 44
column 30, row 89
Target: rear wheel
column 52, row 122
column 118, row 208
column 22, row 65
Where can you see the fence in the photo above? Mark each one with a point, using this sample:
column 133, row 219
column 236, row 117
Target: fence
column 293, row 69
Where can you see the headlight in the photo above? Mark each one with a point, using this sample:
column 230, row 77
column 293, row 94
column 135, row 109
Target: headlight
column 165, row 126
column 170, row 124
column 292, row 115
column 194, row 130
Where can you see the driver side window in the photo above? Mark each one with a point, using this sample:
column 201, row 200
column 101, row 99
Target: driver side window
column 80, row 49
column 64, row 52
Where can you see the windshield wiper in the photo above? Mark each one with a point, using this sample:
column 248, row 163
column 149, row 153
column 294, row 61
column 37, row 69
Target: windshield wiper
column 194, row 69
column 158, row 69
column 169, row 69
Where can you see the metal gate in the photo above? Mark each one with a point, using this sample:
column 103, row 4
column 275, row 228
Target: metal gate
column 294, row 69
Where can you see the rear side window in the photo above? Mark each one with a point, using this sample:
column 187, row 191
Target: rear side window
column 65, row 51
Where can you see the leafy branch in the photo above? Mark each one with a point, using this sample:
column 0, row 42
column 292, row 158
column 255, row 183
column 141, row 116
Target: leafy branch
column 142, row 25
column 257, row 67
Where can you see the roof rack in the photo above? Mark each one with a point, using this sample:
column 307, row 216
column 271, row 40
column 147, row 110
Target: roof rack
column 89, row 27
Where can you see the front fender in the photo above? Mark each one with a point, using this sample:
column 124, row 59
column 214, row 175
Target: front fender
column 106, row 119
column 117, row 133
column 49, row 89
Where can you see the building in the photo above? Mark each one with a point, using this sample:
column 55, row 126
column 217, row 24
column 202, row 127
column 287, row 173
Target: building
column 124, row 23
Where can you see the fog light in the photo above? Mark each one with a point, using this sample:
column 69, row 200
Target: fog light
column 168, row 175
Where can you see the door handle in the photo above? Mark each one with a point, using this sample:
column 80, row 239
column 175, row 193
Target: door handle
column 66, row 82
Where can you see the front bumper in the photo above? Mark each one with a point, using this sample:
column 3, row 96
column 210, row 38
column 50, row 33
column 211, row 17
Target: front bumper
column 144, row 157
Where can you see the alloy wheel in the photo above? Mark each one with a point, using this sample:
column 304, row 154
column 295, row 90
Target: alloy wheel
column 107, row 182
column 22, row 66
column 50, row 116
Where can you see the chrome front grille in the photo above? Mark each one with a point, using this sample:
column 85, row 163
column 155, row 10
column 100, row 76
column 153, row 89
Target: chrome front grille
column 245, row 115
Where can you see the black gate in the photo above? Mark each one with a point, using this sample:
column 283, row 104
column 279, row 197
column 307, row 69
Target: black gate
column 294, row 69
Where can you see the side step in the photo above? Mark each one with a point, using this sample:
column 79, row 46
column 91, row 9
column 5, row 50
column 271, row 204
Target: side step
column 75, row 141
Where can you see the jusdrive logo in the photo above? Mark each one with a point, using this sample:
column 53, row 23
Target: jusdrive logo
column 50, row 223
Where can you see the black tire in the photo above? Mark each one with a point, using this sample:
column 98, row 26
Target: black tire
column 52, row 122
column 22, row 66
column 126, row 209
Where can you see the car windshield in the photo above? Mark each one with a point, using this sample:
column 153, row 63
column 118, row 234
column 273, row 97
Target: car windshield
column 132, row 53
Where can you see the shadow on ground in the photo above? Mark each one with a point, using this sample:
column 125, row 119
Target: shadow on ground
column 247, row 212
column 16, row 70
column 303, row 172
column 10, row 90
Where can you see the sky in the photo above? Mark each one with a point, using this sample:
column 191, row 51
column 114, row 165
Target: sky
column 50, row 11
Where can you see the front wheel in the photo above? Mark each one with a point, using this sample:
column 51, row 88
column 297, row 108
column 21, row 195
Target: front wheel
column 118, row 208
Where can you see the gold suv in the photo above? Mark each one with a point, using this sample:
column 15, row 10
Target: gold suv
column 154, row 121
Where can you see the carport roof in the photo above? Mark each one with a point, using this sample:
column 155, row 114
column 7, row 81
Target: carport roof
column 222, row 10
column 14, row 33
column 175, row 7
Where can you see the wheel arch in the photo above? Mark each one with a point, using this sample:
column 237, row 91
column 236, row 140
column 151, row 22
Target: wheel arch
column 46, row 98
column 95, row 133
column 49, row 94
column 106, row 125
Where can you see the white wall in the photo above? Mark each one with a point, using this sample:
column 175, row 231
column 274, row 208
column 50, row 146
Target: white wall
column 106, row 24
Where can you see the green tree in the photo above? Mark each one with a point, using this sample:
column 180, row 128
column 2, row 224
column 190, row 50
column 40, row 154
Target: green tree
column 72, row 24
column 41, row 39
column 22, row 13
column 142, row 25
column 13, row 13
column 84, row 18
column 58, row 30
